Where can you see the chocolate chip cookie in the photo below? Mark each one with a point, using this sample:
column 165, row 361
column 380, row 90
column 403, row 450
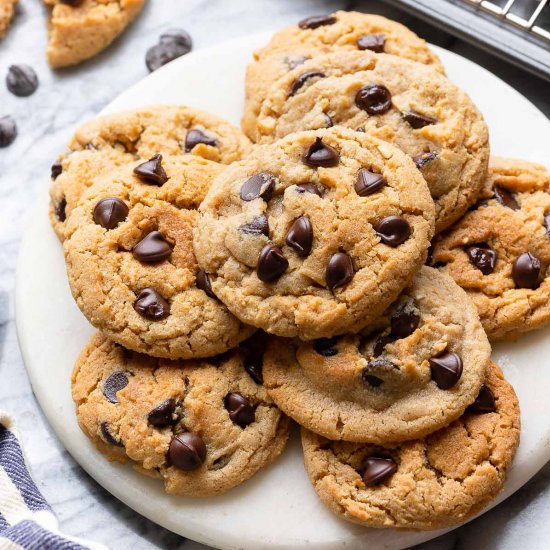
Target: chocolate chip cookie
column 316, row 234
column 408, row 104
column 108, row 142
column 7, row 11
column 203, row 427
column 431, row 483
column 131, row 266
column 413, row 372
column 500, row 251
column 319, row 35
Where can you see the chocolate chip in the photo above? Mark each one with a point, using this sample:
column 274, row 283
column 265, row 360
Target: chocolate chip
column 422, row 159
column 172, row 44
column 56, row 169
column 404, row 323
column 151, row 305
column 252, row 351
column 328, row 121
column 187, row 451
column 152, row 248
column 368, row 182
column 325, row 346
column 195, row 137
column 377, row 470
column 393, row 230
column 381, row 343
column 296, row 61
column 271, row 263
column 108, row 437
column 203, row 283
column 115, row 382
column 373, row 42
column 110, row 212
column 8, row 130
column 319, row 154
column 371, row 380
column 316, row 21
column 374, row 98
column 360, row 129
column 506, row 198
column 416, row 120
column 163, row 415
column 309, row 188
column 21, row 80
column 240, row 410
column 483, row 257
column 72, row 3
column 547, row 222
column 300, row 236
column 151, row 171
column 446, row 370
column 484, row 403
column 302, row 79
column 60, row 210
column 526, row 271
column 339, row 270
column 259, row 185
column 258, row 226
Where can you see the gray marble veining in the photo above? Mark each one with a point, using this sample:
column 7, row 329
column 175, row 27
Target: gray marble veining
column 46, row 121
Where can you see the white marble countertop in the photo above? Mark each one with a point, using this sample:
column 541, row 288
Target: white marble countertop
column 46, row 121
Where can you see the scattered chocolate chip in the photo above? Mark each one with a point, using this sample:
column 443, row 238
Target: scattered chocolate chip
column 108, row 437
column 271, row 263
column 484, row 403
column 72, row 3
column 152, row 248
column 422, row 159
column 302, row 79
column 151, row 305
column 110, row 212
column 446, row 370
column 151, row 171
column 187, row 451
column 296, row 61
column 163, row 415
column 526, row 271
column 300, row 236
column 377, row 470
column 339, row 270
column 172, row 44
column 8, row 130
column 252, row 351
column 309, row 188
column 368, row 182
column 381, row 343
column 374, row 98
column 404, row 323
column 56, row 169
column 393, row 230
column 547, row 222
column 325, row 346
column 259, row 185
column 316, row 21
column 416, row 120
column 328, row 121
column 370, row 379
column 240, row 410
column 203, row 283
column 373, row 42
column 506, row 198
column 115, row 382
column 195, row 137
column 483, row 257
column 319, row 154
column 258, row 226
column 21, row 80
column 60, row 210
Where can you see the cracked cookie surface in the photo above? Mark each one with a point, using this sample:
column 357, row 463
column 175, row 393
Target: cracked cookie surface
column 111, row 141
column 131, row 266
column 412, row 373
column 316, row 234
column 500, row 252
column 408, row 104
column 342, row 30
column 133, row 407
column 7, row 11
column 435, row 482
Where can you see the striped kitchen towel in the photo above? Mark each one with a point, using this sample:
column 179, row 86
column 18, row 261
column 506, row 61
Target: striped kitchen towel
column 26, row 520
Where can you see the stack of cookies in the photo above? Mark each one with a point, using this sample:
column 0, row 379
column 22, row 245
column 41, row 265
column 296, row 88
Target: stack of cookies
column 347, row 271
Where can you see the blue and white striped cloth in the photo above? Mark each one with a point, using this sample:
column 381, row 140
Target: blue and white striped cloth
column 26, row 520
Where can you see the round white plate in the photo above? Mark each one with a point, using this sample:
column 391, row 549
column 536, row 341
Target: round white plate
column 278, row 507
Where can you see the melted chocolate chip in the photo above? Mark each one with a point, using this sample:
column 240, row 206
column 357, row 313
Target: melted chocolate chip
column 72, row 3
column 506, row 198
column 483, row 257
column 377, row 470
column 162, row 415
column 300, row 236
column 373, row 42
column 196, row 137
column 152, row 248
column 258, row 226
column 404, row 323
column 187, row 451
column 151, row 171
column 172, row 44
column 422, row 159
column 339, row 270
column 60, row 210
column 240, row 410
column 56, row 169
column 8, row 130
column 309, row 188
column 110, row 212
column 325, row 346
column 151, row 305
column 271, row 263
column 252, row 351
column 321, row 155
column 368, row 182
column 526, row 271
column 374, row 98
column 108, row 437
column 371, row 380
column 417, row 121
column 202, row 282
column 21, row 80
column 316, row 21
column 381, row 343
column 393, row 230
column 302, row 79
column 484, row 403
column 115, row 382
column 446, row 370
column 258, row 186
